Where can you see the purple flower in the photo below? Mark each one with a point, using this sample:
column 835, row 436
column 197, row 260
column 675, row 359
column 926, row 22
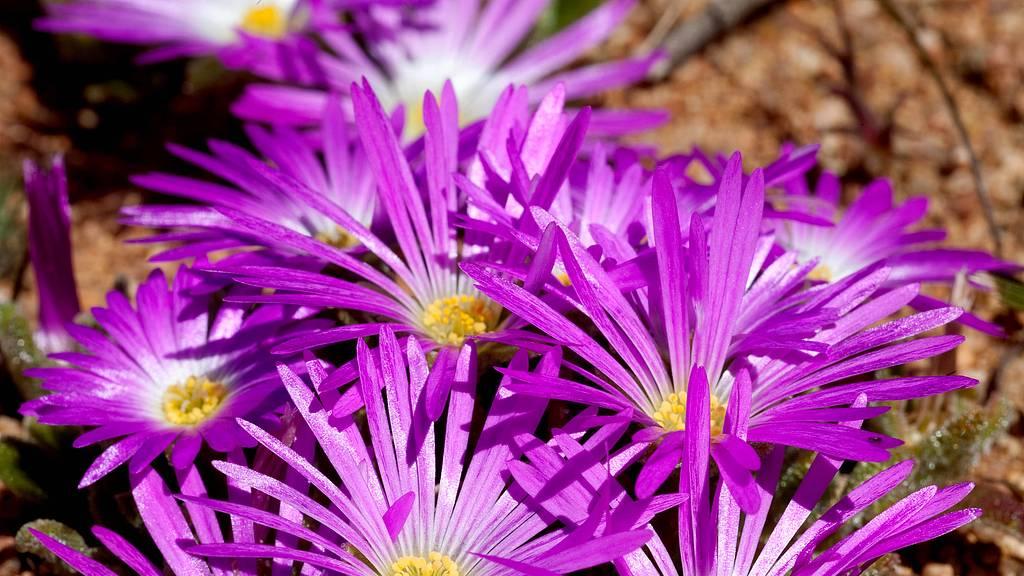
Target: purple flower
column 167, row 374
column 872, row 230
column 875, row 229
column 373, row 20
column 262, row 37
column 170, row 525
column 722, row 324
column 608, row 202
column 49, row 238
column 433, row 299
column 601, row 199
column 715, row 536
column 419, row 288
column 398, row 509
column 340, row 178
column 470, row 43
column 712, row 542
column 690, row 174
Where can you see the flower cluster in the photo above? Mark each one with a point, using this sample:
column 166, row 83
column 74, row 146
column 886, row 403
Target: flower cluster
column 460, row 329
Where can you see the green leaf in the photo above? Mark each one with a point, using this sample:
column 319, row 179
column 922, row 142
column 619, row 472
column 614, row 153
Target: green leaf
column 12, row 229
column 13, row 477
column 204, row 73
column 26, row 543
column 19, row 350
column 943, row 457
column 562, row 13
column 52, row 437
column 1010, row 290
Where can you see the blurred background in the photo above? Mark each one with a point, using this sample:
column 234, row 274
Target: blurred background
column 927, row 93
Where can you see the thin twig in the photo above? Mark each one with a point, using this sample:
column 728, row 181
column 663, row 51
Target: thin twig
column 662, row 27
column 954, row 111
column 875, row 131
column 693, row 34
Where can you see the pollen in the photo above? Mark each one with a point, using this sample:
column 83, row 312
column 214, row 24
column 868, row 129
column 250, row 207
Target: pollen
column 449, row 321
column 563, row 278
column 338, row 238
column 671, row 414
column 415, row 125
column 267, row 21
column 194, row 401
column 821, row 272
column 435, row 564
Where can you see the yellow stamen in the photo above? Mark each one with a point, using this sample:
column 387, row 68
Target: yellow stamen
column 268, row 21
column 194, row 401
column 563, row 278
column 821, row 272
column 435, row 564
column 671, row 414
column 415, row 125
column 450, row 320
column 339, row 238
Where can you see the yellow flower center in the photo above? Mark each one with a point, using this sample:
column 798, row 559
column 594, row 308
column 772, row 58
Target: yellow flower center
column 821, row 272
column 268, row 21
column 450, row 320
column 671, row 414
column 563, row 278
column 194, row 401
column 415, row 125
column 339, row 238
column 434, row 564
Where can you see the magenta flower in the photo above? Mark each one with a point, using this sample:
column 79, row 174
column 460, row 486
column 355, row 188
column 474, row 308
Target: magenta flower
column 422, row 289
column 170, row 524
column 602, row 200
column 404, row 512
column 712, row 542
column 721, row 324
column 250, row 188
column 166, row 374
column 608, row 202
column 434, row 300
column 715, row 536
column 49, row 244
column 374, row 20
column 473, row 45
column 262, row 37
column 427, row 294
column 690, row 172
column 874, row 229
